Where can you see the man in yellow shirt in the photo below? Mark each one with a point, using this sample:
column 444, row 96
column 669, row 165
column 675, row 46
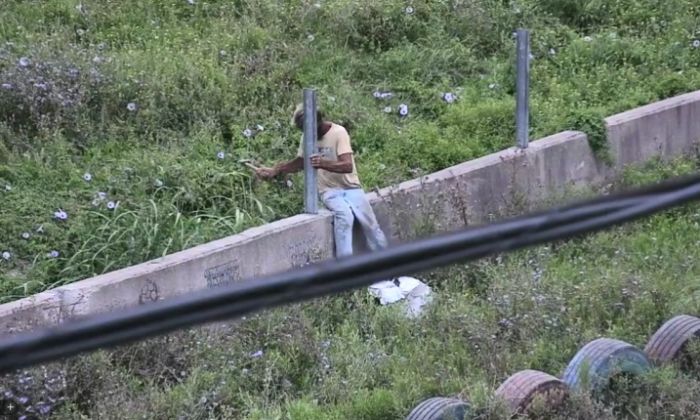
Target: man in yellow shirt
column 338, row 184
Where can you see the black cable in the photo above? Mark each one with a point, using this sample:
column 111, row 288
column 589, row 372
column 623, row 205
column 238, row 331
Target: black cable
column 89, row 344
column 329, row 277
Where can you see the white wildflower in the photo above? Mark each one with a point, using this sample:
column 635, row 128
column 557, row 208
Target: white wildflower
column 101, row 195
column 87, row 177
column 131, row 106
column 7, row 86
column 221, row 155
column 101, row 46
column 317, row 5
column 26, row 235
column 158, row 183
column 24, row 62
column 40, row 229
column 54, row 254
column 552, row 51
column 311, row 37
column 493, row 86
column 80, row 32
column 290, row 184
column 8, row 187
column 60, row 215
column 97, row 59
column 259, row 127
column 403, row 110
column 257, row 354
column 587, row 39
column 388, row 110
column 191, row 2
column 247, row 133
column 449, row 97
column 112, row 205
column 6, row 255
column 222, row 53
column 383, row 95
column 96, row 202
column 696, row 43
column 409, row 10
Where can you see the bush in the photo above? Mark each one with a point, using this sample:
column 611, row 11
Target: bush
column 592, row 122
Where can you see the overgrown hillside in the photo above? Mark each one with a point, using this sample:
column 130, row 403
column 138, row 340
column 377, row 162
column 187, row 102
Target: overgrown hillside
column 347, row 358
column 121, row 122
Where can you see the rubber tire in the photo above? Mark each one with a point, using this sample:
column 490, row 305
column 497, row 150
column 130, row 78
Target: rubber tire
column 668, row 342
column 440, row 408
column 520, row 390
column 602, row 356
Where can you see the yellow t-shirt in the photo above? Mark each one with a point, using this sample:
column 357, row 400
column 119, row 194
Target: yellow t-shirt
column 334, row 143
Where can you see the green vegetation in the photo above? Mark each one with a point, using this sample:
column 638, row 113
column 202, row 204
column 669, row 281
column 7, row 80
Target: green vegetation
column 346, row 357
column 143, row 95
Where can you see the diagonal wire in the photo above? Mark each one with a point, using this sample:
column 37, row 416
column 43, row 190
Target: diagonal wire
column 337, row 276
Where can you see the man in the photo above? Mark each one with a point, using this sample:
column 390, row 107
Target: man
column 338, row 183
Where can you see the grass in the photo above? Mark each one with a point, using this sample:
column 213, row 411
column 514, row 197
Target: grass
column 144, row 95
column 345, row 357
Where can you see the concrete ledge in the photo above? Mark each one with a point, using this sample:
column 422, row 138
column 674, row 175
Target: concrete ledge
column 477, row 191
column 275, row 247
column 667, row 129
column 470, row 193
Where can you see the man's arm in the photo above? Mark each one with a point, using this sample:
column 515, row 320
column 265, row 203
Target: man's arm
column 344, row 163
column 291, row 166
column 342, row 166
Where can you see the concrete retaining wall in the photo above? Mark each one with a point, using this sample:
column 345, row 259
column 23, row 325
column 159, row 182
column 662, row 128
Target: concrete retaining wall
column 477, row 191
column 668, row 128
column 483, row 189
column 276, row 247
column 470, row 193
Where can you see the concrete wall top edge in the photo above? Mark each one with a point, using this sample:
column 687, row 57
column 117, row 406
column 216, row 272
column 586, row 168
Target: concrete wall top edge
column 653, row 108
column 197, row 252
column 43, row 298
column 478, row 163
column 555, row 139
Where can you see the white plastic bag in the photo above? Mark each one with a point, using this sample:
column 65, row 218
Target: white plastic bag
column 416, row 294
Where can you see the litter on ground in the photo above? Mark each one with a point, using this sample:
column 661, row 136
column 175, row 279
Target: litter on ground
column 414, row 292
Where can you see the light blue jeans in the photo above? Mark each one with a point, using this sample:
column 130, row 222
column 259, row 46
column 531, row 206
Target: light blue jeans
column 348, row 206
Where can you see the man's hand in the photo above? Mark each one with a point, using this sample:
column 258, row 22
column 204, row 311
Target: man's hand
column 266, row 173
column 318, row 162
column 343, row 165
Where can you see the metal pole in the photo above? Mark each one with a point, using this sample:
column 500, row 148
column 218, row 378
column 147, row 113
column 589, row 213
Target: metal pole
column 310, row 138
column 522, row 118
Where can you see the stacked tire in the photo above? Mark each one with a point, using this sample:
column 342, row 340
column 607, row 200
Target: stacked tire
column 591, row 370
column 439, row 408
column 523, row 389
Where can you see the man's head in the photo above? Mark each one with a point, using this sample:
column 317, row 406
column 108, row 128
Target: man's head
column 298, row 117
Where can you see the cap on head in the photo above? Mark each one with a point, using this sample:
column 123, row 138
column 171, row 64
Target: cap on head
column 298, row 113
column 298, row 117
